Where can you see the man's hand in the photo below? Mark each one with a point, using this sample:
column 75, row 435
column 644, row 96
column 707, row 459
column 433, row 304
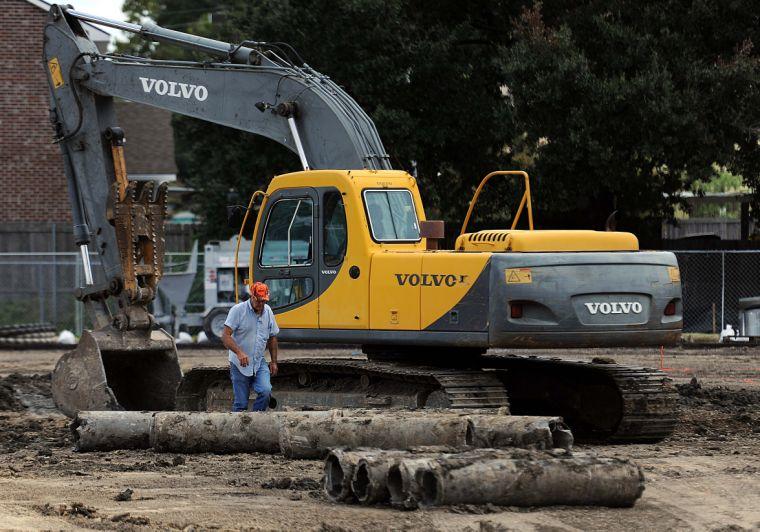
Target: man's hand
column 230, row 344
column 272, row 346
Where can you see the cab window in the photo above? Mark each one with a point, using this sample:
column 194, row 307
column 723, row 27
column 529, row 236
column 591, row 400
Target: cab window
column 391, row 214
column 335, row 233
column 288, row 234
column 288, row 291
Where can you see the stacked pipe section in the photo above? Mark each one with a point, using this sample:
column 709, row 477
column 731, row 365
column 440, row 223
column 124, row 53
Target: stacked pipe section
column 310, row 434
column 408, row 459
column 427, row 477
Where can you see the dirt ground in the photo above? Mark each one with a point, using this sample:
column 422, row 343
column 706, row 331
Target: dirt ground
column 705, row 477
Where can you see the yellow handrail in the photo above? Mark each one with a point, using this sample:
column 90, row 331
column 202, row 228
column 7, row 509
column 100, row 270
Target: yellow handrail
column 523, row 202
column 240, row 237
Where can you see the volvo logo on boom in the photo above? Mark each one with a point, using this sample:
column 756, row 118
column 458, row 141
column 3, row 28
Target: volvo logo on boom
column 616, row 307
column 429, row 279
column 174, row 89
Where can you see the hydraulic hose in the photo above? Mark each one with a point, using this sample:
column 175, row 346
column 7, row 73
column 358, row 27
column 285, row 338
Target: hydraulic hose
column 240, row 237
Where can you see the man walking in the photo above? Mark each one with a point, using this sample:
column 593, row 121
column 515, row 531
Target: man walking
column 249, row 330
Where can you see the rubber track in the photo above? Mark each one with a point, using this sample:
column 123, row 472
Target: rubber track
column 649, row 401
column 463, row 388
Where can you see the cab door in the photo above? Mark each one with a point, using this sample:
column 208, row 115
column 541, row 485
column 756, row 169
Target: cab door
column 344, row 264
column 286, row 256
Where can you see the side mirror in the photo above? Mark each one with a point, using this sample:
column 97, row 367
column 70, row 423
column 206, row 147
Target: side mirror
column 235, row 214
column 432, row 231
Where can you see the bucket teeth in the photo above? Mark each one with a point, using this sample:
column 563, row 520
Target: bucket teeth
column 139, row 223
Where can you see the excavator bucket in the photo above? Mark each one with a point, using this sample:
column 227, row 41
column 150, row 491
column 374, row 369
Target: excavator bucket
column 115, row 370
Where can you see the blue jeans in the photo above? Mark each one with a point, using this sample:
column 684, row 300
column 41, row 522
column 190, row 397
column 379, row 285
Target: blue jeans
column 241, row 388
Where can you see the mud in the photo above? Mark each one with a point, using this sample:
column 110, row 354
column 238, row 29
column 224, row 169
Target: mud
column 292, row 483
column 704, row 477
column 8, row 400
column 26, row 393
column 726, row 399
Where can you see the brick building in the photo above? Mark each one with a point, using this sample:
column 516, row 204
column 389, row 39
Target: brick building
column 31, row 170
column 33, row 193
column 149, row 147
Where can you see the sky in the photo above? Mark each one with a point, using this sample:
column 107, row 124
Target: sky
column 104, row 8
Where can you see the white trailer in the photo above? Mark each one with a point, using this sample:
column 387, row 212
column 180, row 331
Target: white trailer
column 218, row 289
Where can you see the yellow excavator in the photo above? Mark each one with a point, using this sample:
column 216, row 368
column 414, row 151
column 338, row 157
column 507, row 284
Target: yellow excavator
column 349, row 257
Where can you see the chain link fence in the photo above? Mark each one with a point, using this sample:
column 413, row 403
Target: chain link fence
column 712, row 283
column 38, row 287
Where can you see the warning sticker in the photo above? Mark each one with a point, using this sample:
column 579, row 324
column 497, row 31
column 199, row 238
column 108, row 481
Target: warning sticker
column 675, row 274
column 55, row 72
column 518, row 276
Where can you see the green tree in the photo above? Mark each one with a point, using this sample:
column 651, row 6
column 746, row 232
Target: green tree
column 610, row 105
column 635, row 101
column 426, row 76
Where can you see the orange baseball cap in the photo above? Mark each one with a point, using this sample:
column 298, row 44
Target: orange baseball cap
column 260, row 291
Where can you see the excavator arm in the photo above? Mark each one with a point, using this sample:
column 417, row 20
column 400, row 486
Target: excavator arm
column 253, row 87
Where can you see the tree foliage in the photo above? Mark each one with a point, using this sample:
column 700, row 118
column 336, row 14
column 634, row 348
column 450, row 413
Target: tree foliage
column 609, row 105
column 636, row 99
